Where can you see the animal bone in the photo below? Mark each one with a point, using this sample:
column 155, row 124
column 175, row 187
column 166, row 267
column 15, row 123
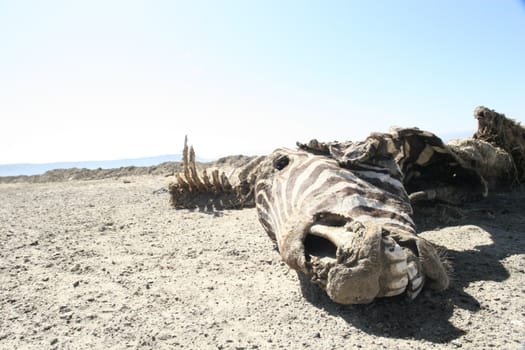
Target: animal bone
column 222, row 191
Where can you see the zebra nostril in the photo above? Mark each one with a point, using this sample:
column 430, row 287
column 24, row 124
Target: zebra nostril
column 281, row 162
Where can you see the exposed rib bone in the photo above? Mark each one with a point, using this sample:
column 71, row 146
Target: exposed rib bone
column 181, row 182
column 422, row 196
column 189, row 179
column 216, row 182
column 206, row 180
column 193, row 171
column 447, row 194
column 185, row 158
column 225, row 184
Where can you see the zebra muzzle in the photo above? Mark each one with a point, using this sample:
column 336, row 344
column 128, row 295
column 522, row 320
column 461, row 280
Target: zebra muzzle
column 356, row 264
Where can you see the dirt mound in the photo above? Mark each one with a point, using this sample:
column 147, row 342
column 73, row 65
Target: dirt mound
column 59, row 175
column 165, row 169
column 232, row 161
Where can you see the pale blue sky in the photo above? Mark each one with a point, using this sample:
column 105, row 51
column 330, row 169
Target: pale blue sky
column 91, row 80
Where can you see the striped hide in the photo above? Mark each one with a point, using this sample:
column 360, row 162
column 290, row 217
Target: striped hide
column 341, row 212
column 348, row 227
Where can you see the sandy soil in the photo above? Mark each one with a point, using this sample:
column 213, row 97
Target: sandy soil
column 107, row 264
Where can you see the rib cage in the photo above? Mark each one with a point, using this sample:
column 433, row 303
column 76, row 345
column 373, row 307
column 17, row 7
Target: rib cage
column 220, row 191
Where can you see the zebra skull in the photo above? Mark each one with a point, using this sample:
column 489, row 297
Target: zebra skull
column 348, row 228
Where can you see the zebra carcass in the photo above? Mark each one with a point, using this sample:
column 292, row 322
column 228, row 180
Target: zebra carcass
column 341, row 213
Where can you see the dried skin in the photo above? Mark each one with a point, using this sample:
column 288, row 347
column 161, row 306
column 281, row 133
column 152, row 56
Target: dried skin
column 504, row 133
column 364, row 214
column 494, row 164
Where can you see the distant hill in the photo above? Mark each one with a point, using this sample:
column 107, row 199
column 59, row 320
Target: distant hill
column 36, row 169
column 68, row 171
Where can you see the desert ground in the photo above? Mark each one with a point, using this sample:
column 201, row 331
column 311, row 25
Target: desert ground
column 108, row 264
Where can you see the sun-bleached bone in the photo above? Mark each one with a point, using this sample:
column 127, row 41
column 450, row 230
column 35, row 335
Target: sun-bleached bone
column 336, row 235
column 194, row 189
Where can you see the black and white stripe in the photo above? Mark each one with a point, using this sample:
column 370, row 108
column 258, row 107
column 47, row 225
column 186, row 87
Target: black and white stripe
column 309, row 184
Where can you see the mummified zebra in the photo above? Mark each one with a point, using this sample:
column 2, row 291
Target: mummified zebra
column 341, row 226
column 346, row 222
column 341, row 213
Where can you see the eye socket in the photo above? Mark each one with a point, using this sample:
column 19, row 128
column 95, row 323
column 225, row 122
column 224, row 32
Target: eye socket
column 281, row 162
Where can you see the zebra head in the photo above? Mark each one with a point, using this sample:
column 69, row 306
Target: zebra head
column 348, row 227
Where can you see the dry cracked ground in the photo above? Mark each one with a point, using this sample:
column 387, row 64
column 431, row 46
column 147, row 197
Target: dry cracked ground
column 107, row 264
